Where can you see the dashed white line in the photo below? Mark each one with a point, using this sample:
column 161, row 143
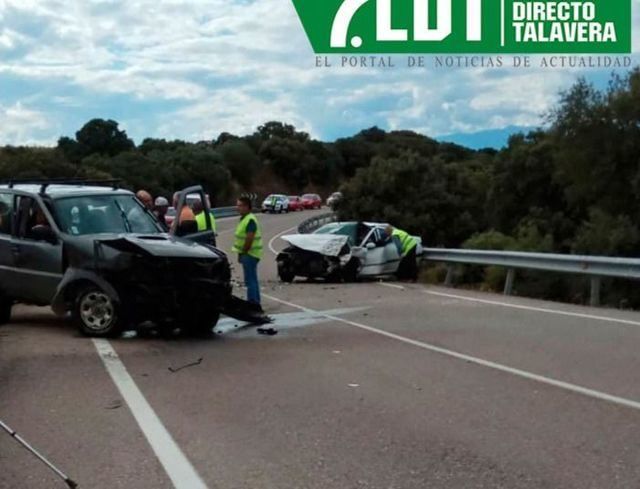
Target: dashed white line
column 594, row 394
column 533, row 308
column 182, row 474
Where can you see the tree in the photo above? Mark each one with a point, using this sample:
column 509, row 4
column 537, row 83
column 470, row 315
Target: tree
column 287, row 158
column 410, row 192
column 241, row 161
column 275, row 129
column 103, row 137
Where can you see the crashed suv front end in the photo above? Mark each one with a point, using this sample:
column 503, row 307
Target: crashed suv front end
column 155, row 278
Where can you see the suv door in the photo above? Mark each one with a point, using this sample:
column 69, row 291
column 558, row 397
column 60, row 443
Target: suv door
column 207, row 236
column 36, row 251
column 9, row 277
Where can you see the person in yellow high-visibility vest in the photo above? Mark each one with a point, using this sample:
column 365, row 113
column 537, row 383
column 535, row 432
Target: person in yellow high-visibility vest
column 248, row 244
column 201, row 217
column 407, row 246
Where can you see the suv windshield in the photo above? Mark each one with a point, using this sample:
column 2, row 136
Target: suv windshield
column 103, row 214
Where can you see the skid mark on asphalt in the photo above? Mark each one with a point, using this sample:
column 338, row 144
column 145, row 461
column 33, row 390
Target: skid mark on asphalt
column 182, row 474
column 594, row 394
column 287, row 320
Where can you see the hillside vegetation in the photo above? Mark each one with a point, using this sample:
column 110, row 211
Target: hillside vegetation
column 573, row 187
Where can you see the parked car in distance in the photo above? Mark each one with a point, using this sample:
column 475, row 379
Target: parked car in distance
column 295, row 203
column 334, row 199
column 276, row 203
column 311, row 201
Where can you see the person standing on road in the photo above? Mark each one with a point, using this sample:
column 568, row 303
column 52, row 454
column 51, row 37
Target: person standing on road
column 248, row 245
column 407, row 246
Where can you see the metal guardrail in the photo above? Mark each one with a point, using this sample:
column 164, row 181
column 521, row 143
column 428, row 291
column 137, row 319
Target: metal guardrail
column 595, row 267
column 313, row 223
column 225, row 211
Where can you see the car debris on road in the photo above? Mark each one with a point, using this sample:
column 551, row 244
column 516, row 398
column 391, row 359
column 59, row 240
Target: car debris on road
column 192, row 364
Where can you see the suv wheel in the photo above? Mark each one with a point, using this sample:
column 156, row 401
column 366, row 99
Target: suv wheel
column 5, row 309
column 96, row 314
column 201, row 326
column 286, row 276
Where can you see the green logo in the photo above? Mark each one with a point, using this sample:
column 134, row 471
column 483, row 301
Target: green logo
column 467, row 26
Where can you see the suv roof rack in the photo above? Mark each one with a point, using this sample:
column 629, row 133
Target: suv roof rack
column 45, row 182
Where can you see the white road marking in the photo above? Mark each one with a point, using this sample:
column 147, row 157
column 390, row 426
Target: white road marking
column 173, row 460
column 602, row 396
column 294, row 228
column 535, row 309
column 393, row 286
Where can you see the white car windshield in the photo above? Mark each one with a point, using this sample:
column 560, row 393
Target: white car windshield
column 104, row 214
column 349, row 229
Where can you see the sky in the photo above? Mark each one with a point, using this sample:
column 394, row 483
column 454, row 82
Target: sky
column 178, row 69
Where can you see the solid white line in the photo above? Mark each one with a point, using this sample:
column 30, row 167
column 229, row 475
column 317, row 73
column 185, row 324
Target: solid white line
column 277, row 236
column 621, row 401
column 393, row 286
column 535, row 309
column 175, row 463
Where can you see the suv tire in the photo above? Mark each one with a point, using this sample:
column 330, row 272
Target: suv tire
column 286, row 276
column 5, row 309
column 95, row 313
column 201, row 326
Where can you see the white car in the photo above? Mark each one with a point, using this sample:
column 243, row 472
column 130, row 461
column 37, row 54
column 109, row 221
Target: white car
column 341, row 251
column 276, row 203
column 334, row 199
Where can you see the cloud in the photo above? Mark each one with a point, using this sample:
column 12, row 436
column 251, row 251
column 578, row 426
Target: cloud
column 192, row 69
column 21, row 125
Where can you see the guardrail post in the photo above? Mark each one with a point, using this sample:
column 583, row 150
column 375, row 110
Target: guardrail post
column 595, row 291
column 508, row 283
column 448, row 281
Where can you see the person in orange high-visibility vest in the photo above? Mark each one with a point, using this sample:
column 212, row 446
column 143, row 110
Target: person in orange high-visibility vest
column 185, row 222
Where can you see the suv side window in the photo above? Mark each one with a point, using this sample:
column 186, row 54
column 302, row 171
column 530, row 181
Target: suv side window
column 6, row 212
column 29, row 216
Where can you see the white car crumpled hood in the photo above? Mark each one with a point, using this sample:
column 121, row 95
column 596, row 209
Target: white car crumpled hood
column 325, row 244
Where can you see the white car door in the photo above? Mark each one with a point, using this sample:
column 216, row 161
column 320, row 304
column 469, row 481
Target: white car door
column 391, row 258
column 373, row 261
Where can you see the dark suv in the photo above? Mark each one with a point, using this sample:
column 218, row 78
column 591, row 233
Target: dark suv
column 92, row 249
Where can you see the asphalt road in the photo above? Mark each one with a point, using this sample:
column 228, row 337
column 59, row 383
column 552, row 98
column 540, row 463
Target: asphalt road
column 366, row 385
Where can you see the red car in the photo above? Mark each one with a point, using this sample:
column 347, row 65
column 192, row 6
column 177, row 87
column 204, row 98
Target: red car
column 295, row 203
column 311, row 201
